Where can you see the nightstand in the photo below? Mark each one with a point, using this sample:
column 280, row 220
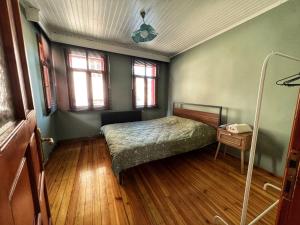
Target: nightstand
column 239, row 141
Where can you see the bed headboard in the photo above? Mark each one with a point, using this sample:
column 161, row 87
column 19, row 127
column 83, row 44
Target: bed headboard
column 212, row 119
column 120, row 117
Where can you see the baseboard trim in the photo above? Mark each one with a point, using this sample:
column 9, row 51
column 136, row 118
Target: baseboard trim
column 75, row 140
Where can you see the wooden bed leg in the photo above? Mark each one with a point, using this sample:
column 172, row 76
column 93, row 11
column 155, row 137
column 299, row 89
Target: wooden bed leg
column 121, row 178
column 218, row 149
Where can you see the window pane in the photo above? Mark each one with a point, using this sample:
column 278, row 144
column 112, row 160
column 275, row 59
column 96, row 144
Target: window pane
column 47, row 86
column 46, row 76
column 96, row 61
column 80, row 89
column 151, row 70
column 139, row 69
column 97, row 89
column 139, row 91
column 77, row 59
column 45, row 48
column 41, row 52
column 150, row 92
column 6, row 96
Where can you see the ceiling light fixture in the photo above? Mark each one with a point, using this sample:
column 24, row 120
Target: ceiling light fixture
column 145, row 33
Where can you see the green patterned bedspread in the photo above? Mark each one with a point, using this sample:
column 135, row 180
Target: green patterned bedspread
column 134, row 143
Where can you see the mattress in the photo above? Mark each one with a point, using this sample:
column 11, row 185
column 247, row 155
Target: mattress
column 131, row 144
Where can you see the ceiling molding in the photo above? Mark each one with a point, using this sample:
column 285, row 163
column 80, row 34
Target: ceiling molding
column 100, row 45
column 233, row 26
column 32, row 14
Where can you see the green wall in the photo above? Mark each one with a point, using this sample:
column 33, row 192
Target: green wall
column 45, row 123
column 64, row 124
column 225, row 71
column 85, row 124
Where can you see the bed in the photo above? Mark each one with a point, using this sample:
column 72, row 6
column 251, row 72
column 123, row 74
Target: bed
column 134, row 143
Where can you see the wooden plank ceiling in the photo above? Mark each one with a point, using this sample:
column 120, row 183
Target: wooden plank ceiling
column 180, row 24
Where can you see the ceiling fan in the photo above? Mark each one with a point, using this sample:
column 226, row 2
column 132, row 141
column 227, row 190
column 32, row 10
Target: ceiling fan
column 145, row 33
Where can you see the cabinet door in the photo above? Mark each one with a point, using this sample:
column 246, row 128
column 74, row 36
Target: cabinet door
column 39, row 179
column 21, row 196
column 288, row 213
column 17, row 197
column 35, row 161
column 43, row 201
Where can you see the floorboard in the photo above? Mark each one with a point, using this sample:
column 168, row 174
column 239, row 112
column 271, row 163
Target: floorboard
column 186, row 189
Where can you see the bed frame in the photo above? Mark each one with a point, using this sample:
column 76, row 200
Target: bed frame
column 212, row 119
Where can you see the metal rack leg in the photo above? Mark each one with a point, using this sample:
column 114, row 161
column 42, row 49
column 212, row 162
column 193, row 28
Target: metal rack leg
column 266, row 185
column 264, row 213
column 220, row 219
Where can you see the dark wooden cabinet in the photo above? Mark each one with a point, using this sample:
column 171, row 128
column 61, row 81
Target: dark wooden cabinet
column 43, row 201
column 288, row 210
column 21, row 196
column 23, row 192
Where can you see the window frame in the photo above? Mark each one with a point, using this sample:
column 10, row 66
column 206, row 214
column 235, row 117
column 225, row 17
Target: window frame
column 46, row 61
column 156, row 78
column 88, row 72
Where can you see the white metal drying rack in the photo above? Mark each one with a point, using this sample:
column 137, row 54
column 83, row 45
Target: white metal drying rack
column 253, row 145
column 256, row 219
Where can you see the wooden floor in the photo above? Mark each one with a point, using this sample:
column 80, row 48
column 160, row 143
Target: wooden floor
column 186, row 189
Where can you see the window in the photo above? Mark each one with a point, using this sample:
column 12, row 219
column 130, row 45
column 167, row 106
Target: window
column 144, row 83
column 47, row 78
column 7, row 112
column 87, row 79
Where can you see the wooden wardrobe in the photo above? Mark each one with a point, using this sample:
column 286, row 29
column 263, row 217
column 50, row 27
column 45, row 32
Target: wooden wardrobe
column 23, row 193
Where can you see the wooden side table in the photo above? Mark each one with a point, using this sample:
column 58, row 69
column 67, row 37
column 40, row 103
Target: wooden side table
column 239, row 141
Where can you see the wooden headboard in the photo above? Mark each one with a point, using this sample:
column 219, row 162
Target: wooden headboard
column 212, row 119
